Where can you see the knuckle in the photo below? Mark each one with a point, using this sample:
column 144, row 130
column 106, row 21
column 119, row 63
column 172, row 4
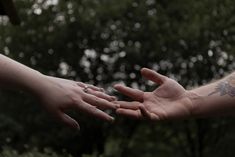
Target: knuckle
column 77, row 90
column 76, row 100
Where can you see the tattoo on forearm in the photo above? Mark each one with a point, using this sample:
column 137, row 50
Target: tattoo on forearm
column 226, row 87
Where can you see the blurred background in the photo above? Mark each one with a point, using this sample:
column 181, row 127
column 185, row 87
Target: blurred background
column 104, row 42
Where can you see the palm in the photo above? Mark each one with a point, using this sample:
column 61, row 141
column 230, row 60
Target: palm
column 166, row 102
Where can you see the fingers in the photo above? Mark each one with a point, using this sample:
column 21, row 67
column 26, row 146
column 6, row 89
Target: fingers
column 129, row 109
column 83, row 85
column 98, row 102
column 132, row 109
column 68, row 120
column 136, row 114
column 92, row 110
column 148, row 114
column 135, row 94
column 128, row 105
column 153, row 76
column 101, row 95
column 99, row 92
column 144, row 112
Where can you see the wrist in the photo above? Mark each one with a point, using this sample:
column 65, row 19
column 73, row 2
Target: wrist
column 36, row 83
column 195, row 99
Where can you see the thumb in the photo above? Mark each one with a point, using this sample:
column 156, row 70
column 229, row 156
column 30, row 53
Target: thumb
column 153, row 76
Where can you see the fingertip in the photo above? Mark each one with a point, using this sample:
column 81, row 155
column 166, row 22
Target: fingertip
column 114, row 98
column 118, row 111
column 78, row 127
column 69, row 121
column 116, row 102
column 74, row 124
column 102, row 90
column 143, row 69
column 118, row 106
column 112, row 119
column 141, row 106
column 116, row 86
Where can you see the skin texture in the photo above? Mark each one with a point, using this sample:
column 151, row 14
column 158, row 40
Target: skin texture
column 171, row 101
column 62, row 95
column 55, row 94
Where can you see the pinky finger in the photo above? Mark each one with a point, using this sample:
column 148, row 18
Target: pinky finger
column 66, row 119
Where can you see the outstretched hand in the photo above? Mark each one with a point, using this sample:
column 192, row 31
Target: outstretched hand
column 169, row 101
column 58, row 95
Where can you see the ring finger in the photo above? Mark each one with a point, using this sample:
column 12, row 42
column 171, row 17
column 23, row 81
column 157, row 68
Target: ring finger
column 98, row 102
column 83, row 85
column 100, row 95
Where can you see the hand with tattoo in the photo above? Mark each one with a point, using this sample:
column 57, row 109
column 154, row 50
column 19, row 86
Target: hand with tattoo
column 226, row 88
column 171, row 101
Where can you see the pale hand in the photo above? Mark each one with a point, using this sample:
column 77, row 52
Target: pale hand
column 58, row 95
column 169, row 101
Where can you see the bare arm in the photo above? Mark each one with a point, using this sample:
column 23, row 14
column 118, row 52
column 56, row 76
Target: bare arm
column 16, row 75
column 216, row 98
column 171, row 101
column 56, row 94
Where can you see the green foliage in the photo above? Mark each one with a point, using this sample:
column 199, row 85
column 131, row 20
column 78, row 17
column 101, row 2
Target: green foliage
column 9, row 152
column 104, row 42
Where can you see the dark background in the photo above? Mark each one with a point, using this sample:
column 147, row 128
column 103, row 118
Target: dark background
column 104, row 42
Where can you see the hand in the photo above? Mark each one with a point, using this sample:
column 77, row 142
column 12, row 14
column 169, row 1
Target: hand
column 169, row 101
column 58, row 95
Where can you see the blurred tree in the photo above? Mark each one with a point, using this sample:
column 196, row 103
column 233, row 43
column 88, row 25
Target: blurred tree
column 105, row 42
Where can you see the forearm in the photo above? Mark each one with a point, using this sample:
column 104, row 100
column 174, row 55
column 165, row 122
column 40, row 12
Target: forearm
column 18, row 76
column 217, row 98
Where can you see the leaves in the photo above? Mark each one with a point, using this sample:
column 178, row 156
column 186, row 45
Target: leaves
column 105, row 42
